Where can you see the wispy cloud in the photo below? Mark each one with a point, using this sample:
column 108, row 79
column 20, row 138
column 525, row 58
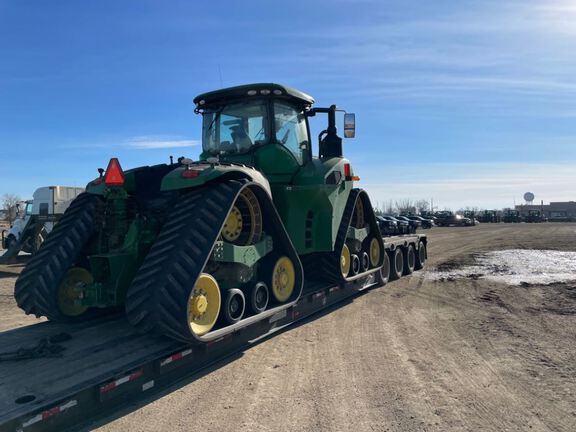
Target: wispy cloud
column 159, row 142
column 151, row 142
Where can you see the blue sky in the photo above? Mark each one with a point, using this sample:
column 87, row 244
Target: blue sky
column 470, row 103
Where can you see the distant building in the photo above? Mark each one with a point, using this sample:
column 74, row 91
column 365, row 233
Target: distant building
column 555, row 211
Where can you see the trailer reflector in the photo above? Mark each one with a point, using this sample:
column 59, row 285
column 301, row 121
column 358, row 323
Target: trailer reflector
column 175, row 357
column 50, row 413
column 126, row 378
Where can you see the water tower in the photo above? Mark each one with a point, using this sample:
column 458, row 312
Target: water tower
column 529, row 198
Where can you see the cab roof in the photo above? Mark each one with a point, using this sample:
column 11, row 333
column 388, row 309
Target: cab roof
column 247, row 91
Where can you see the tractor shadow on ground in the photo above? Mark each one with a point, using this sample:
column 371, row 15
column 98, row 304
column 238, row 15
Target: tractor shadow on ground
column 130, row 407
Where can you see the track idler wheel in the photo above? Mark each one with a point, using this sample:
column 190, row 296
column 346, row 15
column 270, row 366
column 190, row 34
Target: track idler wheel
column 282, row 279
column 409, row 260
column 234, row 306
column 243, row 224
column 345, row 261
column 258, row 297
column 375, row 252
column 396, row 263
column 203, row 305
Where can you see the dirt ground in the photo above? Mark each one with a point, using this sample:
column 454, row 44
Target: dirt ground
column 417, row 355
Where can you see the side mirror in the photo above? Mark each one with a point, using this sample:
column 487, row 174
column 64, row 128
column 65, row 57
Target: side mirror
column 349, row 125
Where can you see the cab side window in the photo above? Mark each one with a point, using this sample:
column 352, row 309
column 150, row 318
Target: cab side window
column 291, row 131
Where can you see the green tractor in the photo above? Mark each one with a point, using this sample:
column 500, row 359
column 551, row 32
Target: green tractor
column 195, row 250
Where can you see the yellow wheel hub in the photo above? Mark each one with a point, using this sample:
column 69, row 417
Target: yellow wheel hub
column 374, row 252
column 70, row 291
column 199, row 304
column 204, row 305
column 345, row 261
column 283, row 279
column 233, row 225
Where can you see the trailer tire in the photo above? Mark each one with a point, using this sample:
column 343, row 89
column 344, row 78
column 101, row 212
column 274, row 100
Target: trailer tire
column 396, row 263
column 409, row 260
column 421, row 256
column 383, row 274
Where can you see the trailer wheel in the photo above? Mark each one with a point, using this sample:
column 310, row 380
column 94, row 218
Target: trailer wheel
column 410, row 260
column 383, row 274
column 234, row 306
column 396, row 263
column 421, row 256
column 258, row 297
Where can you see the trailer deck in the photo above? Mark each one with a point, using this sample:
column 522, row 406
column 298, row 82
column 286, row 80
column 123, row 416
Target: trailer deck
column 105, row 363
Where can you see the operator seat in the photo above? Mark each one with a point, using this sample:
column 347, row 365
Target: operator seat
column 240, row 139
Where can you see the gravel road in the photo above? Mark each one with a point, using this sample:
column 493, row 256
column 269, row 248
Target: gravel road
column 420, row 354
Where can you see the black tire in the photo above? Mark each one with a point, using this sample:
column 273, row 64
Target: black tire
column 10, row 240
column 409, row 260
column 233, row 306
column 396, row 263
column 383, row 274
column 258, row 297
column 421, row 256
column 365, row 262
column 36, row 290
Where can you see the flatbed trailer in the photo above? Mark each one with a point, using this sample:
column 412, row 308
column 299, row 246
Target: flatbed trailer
column 105, row 364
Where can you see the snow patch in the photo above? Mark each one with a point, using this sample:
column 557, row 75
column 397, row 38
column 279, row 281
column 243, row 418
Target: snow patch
column 517, row 267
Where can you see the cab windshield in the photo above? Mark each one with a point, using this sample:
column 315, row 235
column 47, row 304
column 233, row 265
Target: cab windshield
column 235, row 128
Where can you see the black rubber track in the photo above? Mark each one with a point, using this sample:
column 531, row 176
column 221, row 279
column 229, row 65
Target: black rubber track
column 330, row 262
column 158, row 297
column 36, row 287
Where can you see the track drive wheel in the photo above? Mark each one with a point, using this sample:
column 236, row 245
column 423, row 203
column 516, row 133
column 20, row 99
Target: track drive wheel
column 421, row 256
column 396, row 263
column 203, row 305
column 409, row 260
column 282, row 279
column 243, row 225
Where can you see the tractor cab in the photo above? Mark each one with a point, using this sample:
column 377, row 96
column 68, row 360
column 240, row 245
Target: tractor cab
column 264, row 126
